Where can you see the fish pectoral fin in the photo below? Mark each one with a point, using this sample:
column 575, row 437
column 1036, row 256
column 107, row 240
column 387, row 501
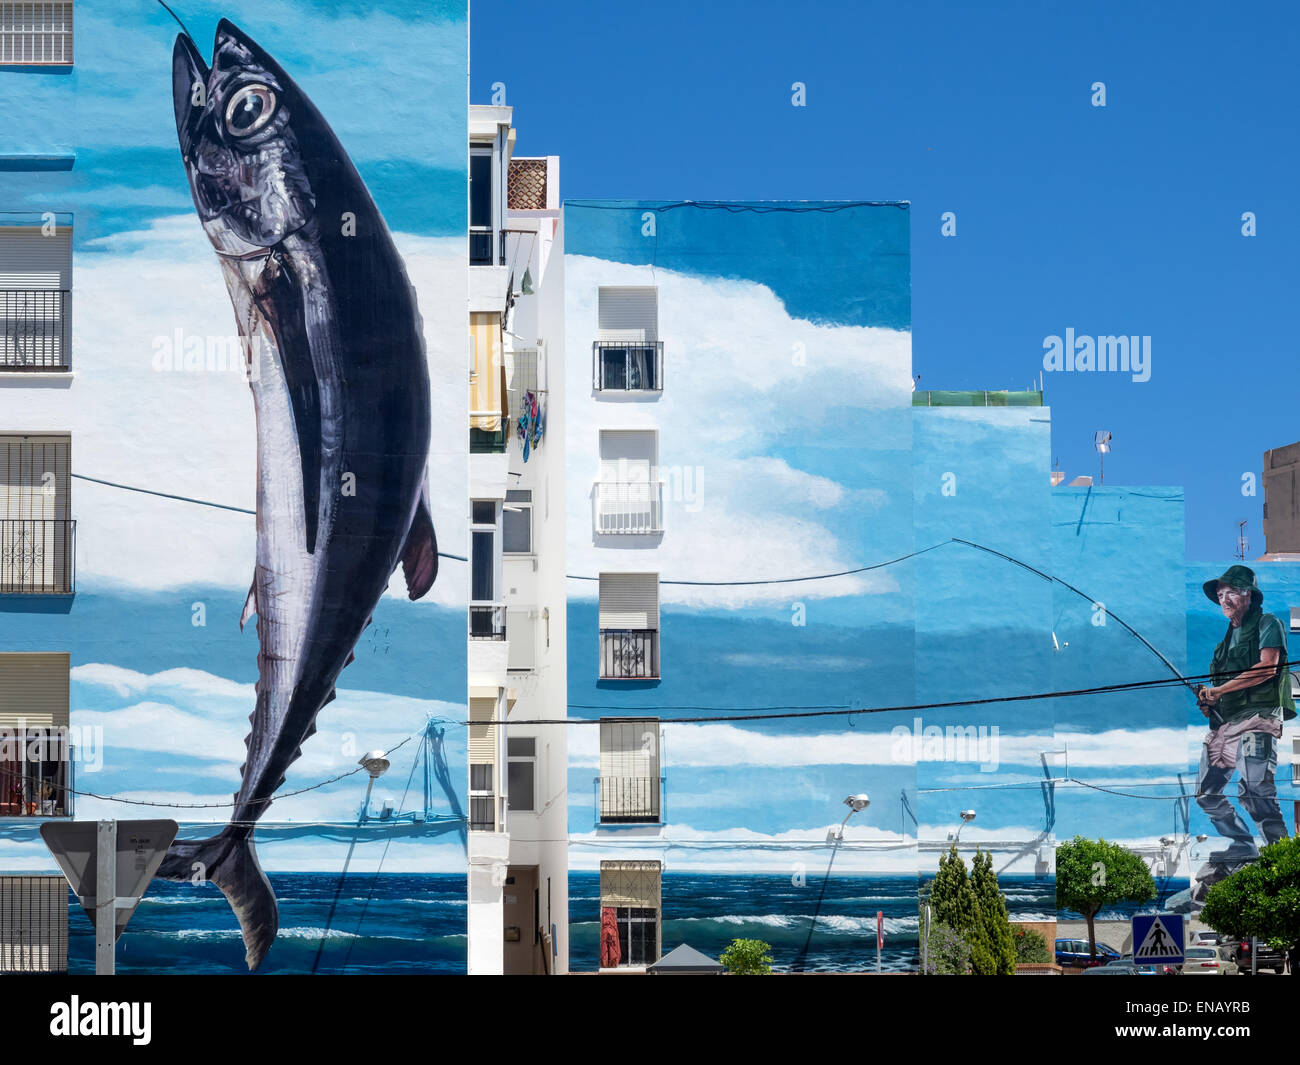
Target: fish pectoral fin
column 420, row 552
column 250, row 605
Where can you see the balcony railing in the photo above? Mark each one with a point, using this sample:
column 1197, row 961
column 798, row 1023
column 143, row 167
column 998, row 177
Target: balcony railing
column 626, row 800
column 38, row 783
column 489, row 441
column 37, row 556
column 629, row 507
column 628, row 365
column 480, row 248
column 629, row 654
column 487, row 621
column 34, row 328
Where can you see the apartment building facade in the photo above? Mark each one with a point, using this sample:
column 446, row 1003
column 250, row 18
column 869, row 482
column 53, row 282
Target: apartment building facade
column 129, row 465
column 517, row 748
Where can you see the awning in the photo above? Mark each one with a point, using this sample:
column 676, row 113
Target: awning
column 685, row 960
column 487, row 379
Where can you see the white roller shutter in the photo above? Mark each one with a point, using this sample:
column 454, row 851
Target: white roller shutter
column 33, row 924
column 626, row 455
column 30, row 260
column 629, row 601
column 629, row 313
column 34, row 689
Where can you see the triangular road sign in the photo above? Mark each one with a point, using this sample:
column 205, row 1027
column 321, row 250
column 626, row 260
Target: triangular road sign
column 141, row 847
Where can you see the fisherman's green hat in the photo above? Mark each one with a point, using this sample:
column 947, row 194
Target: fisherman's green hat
column 1242, row 577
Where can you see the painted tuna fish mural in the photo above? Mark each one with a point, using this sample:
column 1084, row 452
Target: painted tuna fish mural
column 340, row 385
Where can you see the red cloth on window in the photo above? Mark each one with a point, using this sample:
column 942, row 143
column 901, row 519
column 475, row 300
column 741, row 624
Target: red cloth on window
column 610, row 955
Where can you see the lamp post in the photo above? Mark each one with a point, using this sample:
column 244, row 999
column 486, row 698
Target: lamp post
column 834, row 836
column 967, row 816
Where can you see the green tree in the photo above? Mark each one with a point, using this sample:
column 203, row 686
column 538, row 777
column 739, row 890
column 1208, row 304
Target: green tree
column 1092, row 874
column 747, row 957
column 955, row 902
column 999, row 948
column 1261, row 900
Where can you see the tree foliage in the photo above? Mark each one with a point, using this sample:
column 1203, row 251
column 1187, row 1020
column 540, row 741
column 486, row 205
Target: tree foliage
column 1092, row 874
column 974, row 909
column 1031, row 947
column 949, row 954
column 747, row 957
column 999, row 948
column 1260, row 900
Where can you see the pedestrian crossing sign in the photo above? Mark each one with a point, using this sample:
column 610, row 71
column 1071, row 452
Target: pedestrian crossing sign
column 1158, row 938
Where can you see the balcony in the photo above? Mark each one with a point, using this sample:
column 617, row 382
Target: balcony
column 40, row 783
column 629, row 507
column 487, row 621
column 488, row 441
column 480, row 247
column 34, row 330
column 37, row 556
column 628, row 800
column 629, row 654
column 628, row 365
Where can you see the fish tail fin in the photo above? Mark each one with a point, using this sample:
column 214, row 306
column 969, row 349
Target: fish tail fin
column 230, row 862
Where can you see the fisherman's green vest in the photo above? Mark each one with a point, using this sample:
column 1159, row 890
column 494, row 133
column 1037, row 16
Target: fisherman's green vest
column 1263, row 699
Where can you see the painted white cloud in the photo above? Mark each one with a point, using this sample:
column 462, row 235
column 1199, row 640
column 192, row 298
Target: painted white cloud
column 184, row 717
column 193, row 433
column 759, row 380
column 722, row 745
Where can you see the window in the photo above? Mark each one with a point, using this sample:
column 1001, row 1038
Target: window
column 629, row 626
column 482, row 206
column 482, row 801
column 33, row 924
column 35, row 298
column 629, row 913
column 629, row 497
column 521, row 758
column 35, row 751
column 517, row 522
column 487, row 615
column 36, row 34
column 629, row 771
column 627, row 354
column 37, row 533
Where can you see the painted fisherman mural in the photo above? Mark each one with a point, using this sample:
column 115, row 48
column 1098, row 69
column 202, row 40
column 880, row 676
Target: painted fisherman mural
column 1246, row 701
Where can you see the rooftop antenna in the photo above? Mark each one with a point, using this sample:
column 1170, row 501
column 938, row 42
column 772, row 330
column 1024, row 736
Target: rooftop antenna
column 178, row 21
column 1101, row 441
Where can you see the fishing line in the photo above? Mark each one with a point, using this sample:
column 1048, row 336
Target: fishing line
column 178, row 21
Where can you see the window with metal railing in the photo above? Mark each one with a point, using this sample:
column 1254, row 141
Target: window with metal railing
column 629, row 784
column 37, row 533
column 34, row 330
column 36, row 34
column 482, row 800
column 33, row 923
column 628, row 365
column 629, row 626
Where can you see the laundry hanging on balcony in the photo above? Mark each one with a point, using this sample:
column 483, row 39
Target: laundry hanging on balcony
column 532, row 422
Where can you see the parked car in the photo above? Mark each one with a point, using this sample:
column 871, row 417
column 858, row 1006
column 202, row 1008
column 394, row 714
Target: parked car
column 1209, row 961
column 1265, row 956
column 1207, row 938
column 1156, row 968
column 1074, row 952
column 1124, row 966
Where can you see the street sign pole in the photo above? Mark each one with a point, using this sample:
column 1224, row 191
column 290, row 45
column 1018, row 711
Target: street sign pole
column 106, row 899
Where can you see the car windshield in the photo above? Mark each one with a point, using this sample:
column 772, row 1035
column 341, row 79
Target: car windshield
column 1201, row 952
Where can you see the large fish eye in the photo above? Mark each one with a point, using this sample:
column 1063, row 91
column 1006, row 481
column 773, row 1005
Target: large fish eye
column 249, row 110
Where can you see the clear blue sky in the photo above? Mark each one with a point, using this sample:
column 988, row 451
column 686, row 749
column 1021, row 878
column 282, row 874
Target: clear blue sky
column 1117, row 220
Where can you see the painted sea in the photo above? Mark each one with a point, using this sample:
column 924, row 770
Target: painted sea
column 415, row 923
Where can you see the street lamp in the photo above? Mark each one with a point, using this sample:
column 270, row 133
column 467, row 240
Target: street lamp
column 856, row 804
column 376, row 765
column 834, row 836
column 967, row 816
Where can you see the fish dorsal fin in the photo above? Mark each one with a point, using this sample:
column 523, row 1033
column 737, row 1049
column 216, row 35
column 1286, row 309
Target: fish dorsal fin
column 250, row 604
column 420, row 552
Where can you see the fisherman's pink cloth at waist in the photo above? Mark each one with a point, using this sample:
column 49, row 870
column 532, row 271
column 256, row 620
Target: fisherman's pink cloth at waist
column 1221, row 743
